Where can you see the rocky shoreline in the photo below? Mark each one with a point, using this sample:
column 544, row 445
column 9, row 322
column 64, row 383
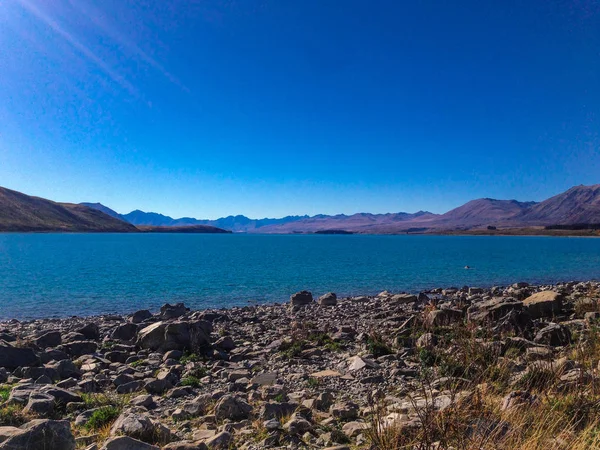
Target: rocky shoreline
column 313, row 373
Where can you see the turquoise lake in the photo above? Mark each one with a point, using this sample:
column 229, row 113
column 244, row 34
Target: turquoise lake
column 56, row 275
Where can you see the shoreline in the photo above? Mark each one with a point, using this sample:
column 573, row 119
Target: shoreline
column 301, row 373
column 509, row 232
column 249, row 303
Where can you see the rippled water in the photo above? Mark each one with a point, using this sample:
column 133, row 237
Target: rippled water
column 45, row 275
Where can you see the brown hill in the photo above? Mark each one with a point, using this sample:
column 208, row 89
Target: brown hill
column 20, row 212
column 578, row 205
column 483, row 211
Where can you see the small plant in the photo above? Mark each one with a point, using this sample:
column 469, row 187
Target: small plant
column 537, row 379
column 198, row 372
column 138, row 363
column 377, row 346
column 102, row 417
column 5, row 390
column 12, row 415
column 190, row 381
column 291, row 349
column 188, row 358
column 108, row 345
column 427, row 357
column 313, row 382
column 279, row 398
column 100, row 400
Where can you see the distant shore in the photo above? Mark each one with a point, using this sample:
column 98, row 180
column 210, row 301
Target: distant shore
column 203, row 229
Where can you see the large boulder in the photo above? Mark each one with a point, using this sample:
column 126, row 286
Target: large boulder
column 39, row 434
column 39, row 404
column 127, row 443
column 65, row 369
column 61, row 396
column 140, row 316
column 443, row 317
column 302, row 298
column 329, row 299
column 232, row 408
column 493, row 309
column 48, row 339
column 543, row 304
column 125, row 332
column 403, row 299
column 163, row 336
column 79, row 348
column 139, row 426
column 13, row 357
column 90, row 331
column 168, row 311
column 554, row 334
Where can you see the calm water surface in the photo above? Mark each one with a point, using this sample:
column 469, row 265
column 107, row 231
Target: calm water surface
column 45, row 275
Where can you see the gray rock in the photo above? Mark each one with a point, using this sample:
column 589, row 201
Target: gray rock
column 225, row 343
column 168, row 311
column 139, row 426
column 344, row 411
column 185, row 445
column 39, row 404
column 130, row 387
column 90, row 331
column 13, row 357
column 554, row 335
column 543, row 304
column 232, row 408
column 164, row 336
column 65, row 368
column 48, row 339
column 127, row 443
column 493, row 309
column 140, row 316
column 38, row 434
column 156, row 386
column 125, row 332
column 80, row 348
column 443, row 317
column 222, row 441
column 302, row 298
column 329, row 299
column 61, row 396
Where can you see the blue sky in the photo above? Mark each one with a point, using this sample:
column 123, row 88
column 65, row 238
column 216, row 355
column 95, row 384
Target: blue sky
column 269, row 107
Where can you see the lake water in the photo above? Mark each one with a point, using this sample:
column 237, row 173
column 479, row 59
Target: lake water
column 47, row 275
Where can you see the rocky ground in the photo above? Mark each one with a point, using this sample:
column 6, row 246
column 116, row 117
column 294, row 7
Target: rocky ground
column 380, row 372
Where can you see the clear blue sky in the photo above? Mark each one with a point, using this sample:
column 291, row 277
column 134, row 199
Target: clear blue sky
column 275, row 107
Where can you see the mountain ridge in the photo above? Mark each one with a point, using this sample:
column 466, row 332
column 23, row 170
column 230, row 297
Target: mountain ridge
column 579, row 204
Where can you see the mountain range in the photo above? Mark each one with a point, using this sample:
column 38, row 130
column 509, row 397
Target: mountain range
column 578, row 205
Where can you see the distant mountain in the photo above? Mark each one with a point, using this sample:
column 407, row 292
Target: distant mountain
column 138, row 217
column 483, row 211
column 232, row 223
column 578, row 205
column 20, row 212
column 104, row 209
column 360, row 222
